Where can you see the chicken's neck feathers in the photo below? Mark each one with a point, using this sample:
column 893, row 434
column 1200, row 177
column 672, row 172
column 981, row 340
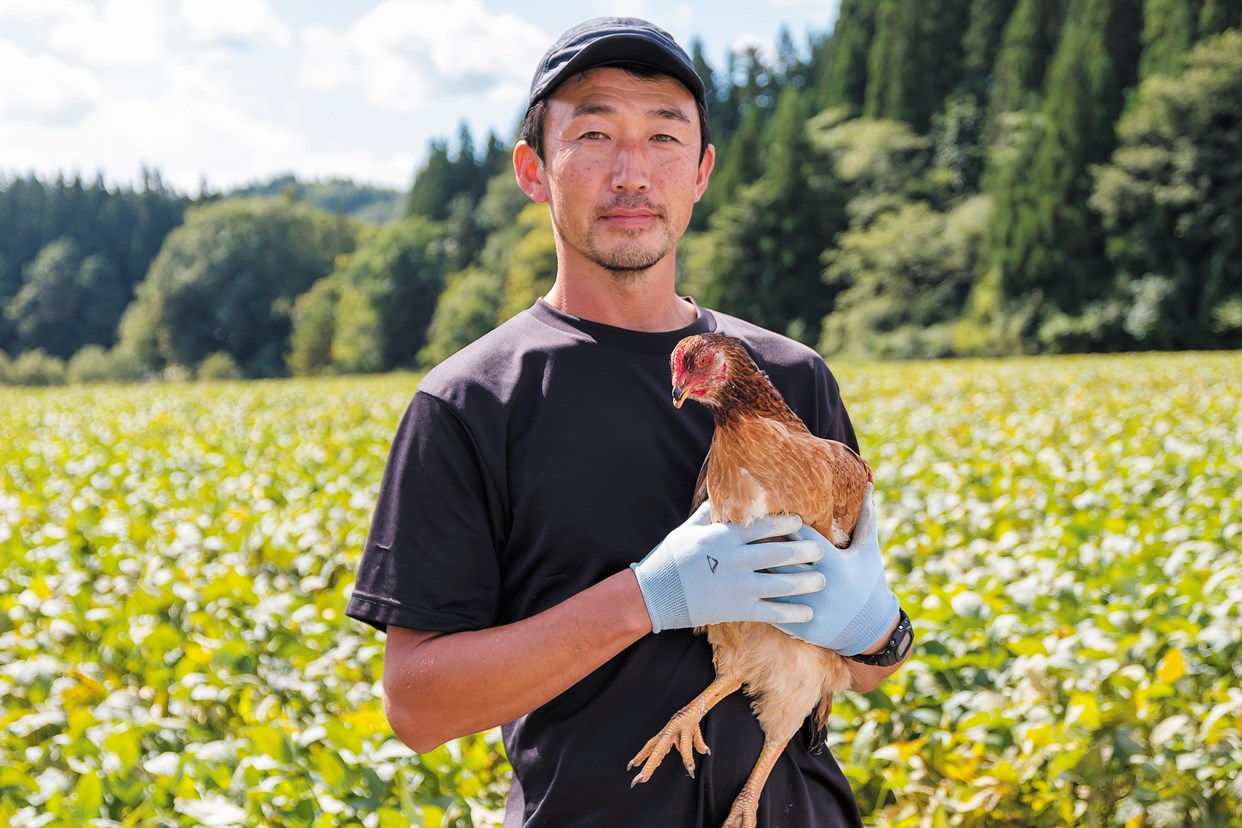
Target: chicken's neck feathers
column 749, row 393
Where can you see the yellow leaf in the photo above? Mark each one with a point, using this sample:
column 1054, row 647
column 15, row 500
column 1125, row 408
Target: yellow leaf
column 1172, row 666
column 1083, row 709
column 1135, row 821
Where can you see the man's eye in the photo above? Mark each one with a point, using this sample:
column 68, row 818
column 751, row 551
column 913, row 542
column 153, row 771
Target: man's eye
column 664, row 138
column 593, row 135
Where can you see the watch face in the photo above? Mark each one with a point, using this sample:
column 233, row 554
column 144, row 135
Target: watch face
column 903, row 646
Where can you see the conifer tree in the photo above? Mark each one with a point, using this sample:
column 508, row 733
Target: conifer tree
column 1217, row 16
column 1168, row 32
column 739, row 163
column 761, row 257
column 843, row 79
column 980, row 45
column 433, row 185
column 1171, row 199
column 915, row 59
column 1027, row 43
column 1047, row 242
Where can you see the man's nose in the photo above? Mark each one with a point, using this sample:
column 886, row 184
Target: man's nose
column 631, row 169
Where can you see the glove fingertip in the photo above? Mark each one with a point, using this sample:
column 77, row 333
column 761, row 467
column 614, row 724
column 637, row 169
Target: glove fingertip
column 789, row 613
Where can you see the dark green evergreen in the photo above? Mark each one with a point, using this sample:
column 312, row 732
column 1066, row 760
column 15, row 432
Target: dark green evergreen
column 760, row 257
column 915, row 59
column 843, row 77
column 1171, row 198
column 1216, row 16
column 1027, row 43
column 1168, row 32
column 980, row 45
column 1048, row 245
column 119, row 231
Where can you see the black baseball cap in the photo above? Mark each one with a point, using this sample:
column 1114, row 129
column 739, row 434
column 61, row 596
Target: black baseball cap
column 607, row 41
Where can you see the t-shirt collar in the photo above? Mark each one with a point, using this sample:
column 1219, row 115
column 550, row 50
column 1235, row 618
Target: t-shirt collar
column 661, row 342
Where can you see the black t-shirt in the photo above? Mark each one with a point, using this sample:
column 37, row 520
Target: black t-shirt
column 533, row 464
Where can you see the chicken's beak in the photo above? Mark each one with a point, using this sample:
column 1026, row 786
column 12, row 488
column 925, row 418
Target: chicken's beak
column 679, row 395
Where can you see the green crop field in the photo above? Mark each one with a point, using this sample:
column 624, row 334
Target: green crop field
column 1066, row 533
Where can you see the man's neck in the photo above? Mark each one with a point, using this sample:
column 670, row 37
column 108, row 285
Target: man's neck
column 640, row 302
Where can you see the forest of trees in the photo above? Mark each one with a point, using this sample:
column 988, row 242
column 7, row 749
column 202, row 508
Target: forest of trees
column 951, row 178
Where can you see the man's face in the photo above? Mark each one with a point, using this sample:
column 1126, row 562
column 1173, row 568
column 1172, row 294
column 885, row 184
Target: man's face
column 622, row 170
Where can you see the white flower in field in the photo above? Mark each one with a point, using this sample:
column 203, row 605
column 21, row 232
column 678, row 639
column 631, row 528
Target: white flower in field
column 165, row 764
column 1024, row 592
column 1009, row 540
column 35, row 722
column 189, row 533
column 966, row 603
column 312, row 734
column 1005, row 625
column 62, row 630
column 214, row 812
column 30, row 670
column 53, row 781
column 221, row 751
column 262, row 763
column 304, row 615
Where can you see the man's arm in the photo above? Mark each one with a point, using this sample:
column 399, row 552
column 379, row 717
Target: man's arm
column 437, row 686
column 863, row 677
column 441, row 686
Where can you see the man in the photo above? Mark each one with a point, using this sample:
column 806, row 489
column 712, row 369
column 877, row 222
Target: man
column 531, row 528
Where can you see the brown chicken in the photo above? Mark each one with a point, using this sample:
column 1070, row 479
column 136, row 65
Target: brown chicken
column 763, row 461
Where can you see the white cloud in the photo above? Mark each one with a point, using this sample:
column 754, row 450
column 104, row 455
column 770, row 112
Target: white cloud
column 627, row 8
column 189, row 126
column 406, row 55
column 234, row 21
column 120, row 33
column 42, row 87
column 39, row 11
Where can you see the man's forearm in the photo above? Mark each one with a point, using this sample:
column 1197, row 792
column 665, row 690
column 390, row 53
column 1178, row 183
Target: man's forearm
column 863, row 677
column 438, row 687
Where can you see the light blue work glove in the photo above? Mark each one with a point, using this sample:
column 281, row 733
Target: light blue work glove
column 708, row 573
column 855, row 609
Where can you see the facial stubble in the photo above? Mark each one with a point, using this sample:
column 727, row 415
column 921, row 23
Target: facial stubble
column 631, row 257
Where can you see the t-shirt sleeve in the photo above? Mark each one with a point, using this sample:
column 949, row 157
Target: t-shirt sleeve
column 430, row 561
column 833, row 420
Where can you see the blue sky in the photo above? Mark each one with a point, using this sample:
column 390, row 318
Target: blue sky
column 231, row 91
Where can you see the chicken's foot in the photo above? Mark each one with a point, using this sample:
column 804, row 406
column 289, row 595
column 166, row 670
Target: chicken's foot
column 683, row 731
column 745, row 810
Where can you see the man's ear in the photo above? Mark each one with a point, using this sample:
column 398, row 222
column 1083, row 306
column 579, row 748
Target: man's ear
column 529, row 171
column 705, row 171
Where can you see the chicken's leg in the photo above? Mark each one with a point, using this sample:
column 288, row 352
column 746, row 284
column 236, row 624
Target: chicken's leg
column 683, row 730
column 745, row 810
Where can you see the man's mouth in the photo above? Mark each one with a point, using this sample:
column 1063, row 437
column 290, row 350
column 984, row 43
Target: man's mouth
column 631, row 212
column 630, row 218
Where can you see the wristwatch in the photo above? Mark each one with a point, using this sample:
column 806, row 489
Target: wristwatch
column 899, row 643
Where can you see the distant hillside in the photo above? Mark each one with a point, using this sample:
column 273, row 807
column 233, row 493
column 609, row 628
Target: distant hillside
column 374, row 205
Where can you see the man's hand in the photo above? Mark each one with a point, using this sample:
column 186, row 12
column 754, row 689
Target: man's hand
column 709, row 573
column 856, row 608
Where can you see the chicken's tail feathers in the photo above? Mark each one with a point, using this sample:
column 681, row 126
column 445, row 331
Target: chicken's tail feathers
column 819, row 721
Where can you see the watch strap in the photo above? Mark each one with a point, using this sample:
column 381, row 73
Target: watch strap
column 899, row 644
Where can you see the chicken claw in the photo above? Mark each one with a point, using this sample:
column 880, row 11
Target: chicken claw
column 682, row 730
